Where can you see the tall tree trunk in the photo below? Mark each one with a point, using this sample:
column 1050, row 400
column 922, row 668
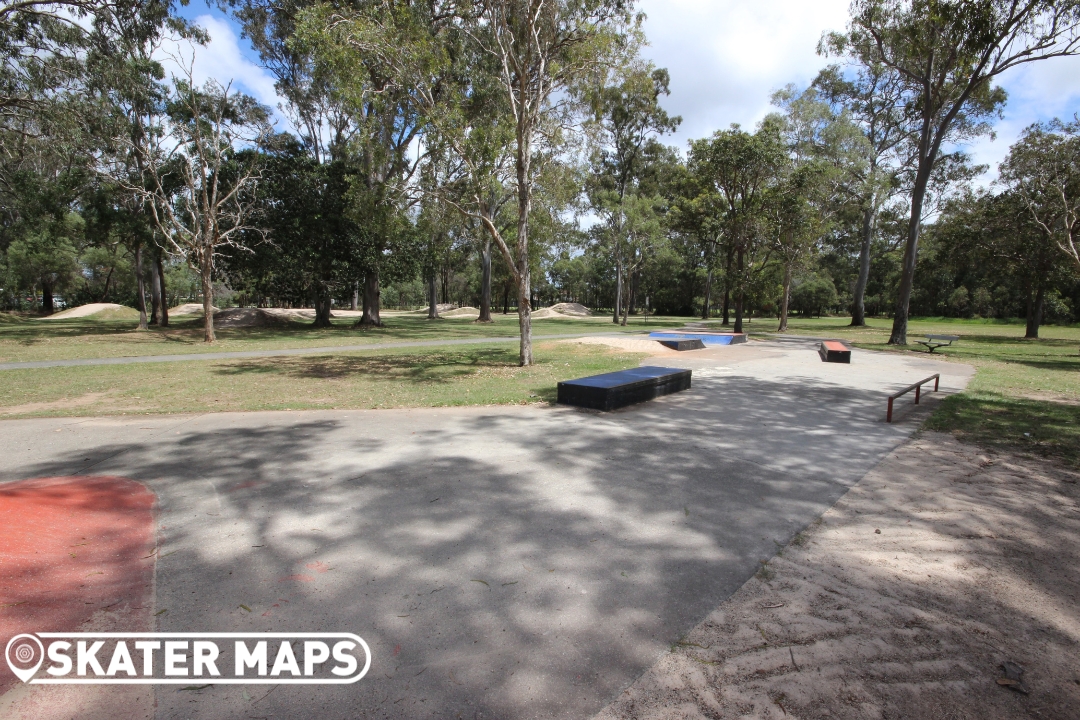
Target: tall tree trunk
column 706, row 306
column 140, row 288
column 617, row 311
column 433, row 298
column 739, row 294
column 626, row 305
column 322, row 305
column 506, row 299
column 785, row 299
column 108, row 283
column 727, row 285
column 206, row 274
column 1034, row 313
column 371, row 315
column 485, row 282
column 355, row 296
column 632, row 294
column 858, row 302
column 46, row 296
column 524, row 276
column 159, row 268
column 911, row 252
column 155, row 294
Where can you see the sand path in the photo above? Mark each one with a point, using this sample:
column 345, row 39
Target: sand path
column 901, row 602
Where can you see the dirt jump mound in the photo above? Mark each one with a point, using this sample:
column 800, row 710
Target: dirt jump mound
column 86, row 311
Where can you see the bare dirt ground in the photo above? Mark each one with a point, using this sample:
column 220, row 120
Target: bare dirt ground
column 84, row 311
column 902, row 601
column 639, row 344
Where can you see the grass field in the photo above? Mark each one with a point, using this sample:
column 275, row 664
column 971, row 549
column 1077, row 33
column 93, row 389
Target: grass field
column 24, row 340
column 1025, row 395
column 472, row 375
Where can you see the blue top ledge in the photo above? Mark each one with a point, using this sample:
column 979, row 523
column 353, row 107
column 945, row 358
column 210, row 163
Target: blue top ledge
column 705, row 338
column 625, row 377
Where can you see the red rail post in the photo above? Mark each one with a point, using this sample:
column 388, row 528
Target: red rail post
column 917, row 387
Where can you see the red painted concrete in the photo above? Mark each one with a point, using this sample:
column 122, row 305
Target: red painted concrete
column 76, row 553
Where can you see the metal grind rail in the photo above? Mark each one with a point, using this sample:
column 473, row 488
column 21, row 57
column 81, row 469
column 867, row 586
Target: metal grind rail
column 917, row 387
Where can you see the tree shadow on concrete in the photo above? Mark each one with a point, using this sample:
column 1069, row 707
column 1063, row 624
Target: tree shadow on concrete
column 499, row 563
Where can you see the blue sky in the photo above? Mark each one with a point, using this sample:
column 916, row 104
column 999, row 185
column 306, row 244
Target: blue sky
column 725, row 58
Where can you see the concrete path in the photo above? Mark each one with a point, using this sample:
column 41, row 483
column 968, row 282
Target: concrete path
column 327, row 350
column 600, row 539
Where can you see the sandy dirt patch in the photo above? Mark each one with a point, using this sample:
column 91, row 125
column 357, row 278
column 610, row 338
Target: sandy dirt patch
column 902, row 601
column 188, row 309
column 460, row 312
column 563, row 311
column 548, row 314
column 85, row 311
column 575, row 309
column 302, row 314
column 81, row 401
column 639, row 344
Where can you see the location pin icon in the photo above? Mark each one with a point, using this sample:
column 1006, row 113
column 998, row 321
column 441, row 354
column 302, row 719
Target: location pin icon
column 24, row 655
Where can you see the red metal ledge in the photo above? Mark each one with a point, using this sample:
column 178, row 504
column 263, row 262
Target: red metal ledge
column 834, row 351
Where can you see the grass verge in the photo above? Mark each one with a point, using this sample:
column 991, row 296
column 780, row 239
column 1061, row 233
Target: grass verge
column 1025, row 396
column 432, row 378
column 101, row 336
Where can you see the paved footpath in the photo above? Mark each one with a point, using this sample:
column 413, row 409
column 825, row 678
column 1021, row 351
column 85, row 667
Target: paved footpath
column 326, row 350
column 600, row 539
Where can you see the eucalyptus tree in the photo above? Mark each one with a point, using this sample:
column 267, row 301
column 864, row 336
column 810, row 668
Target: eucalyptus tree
column 324, row 123
column 387, row 62
column 742, row 168
column 542, row 50
column 43, row 179
column 626, row 122
column 1043, row 169
column 697, row 213
column 825, row 151
column 201, row 174
column 948, row 54
column 870, row 96
column 998, row 234
column 42, row 47
column 124, row 80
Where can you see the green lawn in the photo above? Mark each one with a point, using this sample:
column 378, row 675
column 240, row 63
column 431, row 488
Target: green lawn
column 433, row 377
column 1025, row 395
column 96, row 337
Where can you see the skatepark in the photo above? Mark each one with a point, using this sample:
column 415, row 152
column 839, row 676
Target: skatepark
column 499, row 561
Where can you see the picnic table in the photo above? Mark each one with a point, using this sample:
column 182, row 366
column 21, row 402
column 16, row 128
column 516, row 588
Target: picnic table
column 932, row 342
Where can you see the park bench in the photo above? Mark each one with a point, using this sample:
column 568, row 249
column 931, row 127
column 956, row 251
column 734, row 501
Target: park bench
column 917, row 387
column 611, row 391
column 932, row 342
column 834, row 351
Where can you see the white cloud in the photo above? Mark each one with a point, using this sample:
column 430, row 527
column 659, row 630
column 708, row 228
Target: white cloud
column 221, row 59
column 1037, row 92
column 726, row 57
